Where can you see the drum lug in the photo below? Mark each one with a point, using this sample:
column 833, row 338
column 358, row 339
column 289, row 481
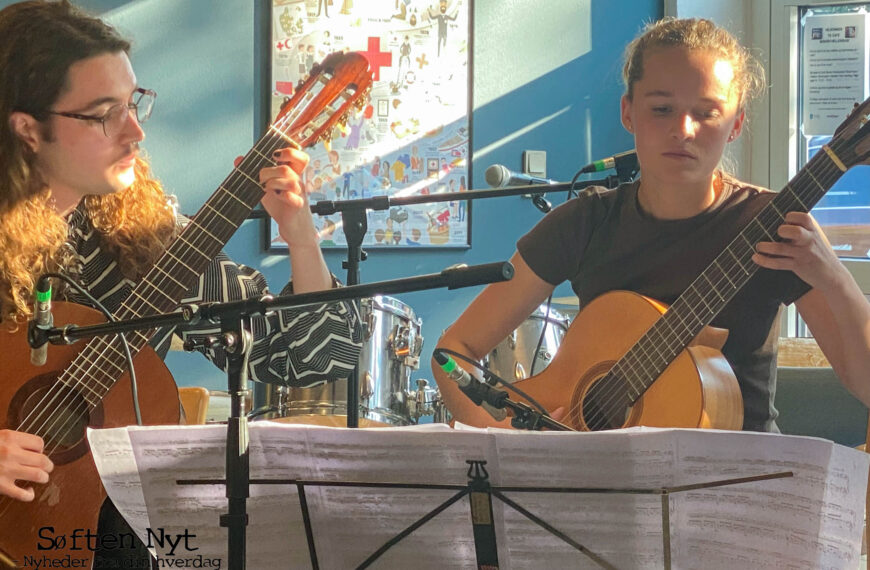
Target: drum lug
column 545, row 355
column 368, row 386
column 417, row 400
column 406, row 347
column 369, row 323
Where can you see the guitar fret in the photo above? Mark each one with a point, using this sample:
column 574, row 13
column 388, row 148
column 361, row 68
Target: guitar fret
column 203, row 229
column 724, row 274
column 191, row 247
column 229, row 221
column 775, row 209
column 701, row 297
column 763, row 229
column 715, row 290
column 282, row 135
column 810, row 173
column 166, row 273
column 169, row 253
column 232, row 195
column 263, row 156
column 159, row 290
column 796, row 197
column 736, row 260
column 144, row 300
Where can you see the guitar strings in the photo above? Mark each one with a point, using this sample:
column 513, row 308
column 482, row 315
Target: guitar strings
column 278, row 142
column 613, row 394
column 272, row 143
column 100, row 346
column 766, row 211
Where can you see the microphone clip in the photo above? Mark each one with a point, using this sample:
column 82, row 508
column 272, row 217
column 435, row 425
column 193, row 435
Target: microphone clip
column 37, row 335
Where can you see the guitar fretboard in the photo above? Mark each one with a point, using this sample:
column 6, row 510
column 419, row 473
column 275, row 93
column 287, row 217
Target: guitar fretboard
column 102, row 362
column 711, row 291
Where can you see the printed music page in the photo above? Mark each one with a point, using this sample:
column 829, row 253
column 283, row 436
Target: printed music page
column 811, row 520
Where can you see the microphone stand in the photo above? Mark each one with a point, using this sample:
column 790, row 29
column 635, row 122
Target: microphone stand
column 236, row 340
column 355, row 225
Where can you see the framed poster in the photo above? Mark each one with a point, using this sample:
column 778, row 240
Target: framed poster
column 412, row 136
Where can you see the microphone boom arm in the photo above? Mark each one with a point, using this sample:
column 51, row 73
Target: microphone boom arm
column 327, row 207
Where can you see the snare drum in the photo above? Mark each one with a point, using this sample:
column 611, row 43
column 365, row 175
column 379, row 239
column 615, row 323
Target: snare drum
column 391, row 350
column 511, row 359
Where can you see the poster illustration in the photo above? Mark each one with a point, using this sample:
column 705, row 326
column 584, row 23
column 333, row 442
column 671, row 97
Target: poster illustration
column 412, row 136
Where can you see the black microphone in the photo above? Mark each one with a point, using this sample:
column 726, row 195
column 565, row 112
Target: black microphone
column 624, row 161
column 481, row 394
column 462, row 275
column 498, row 176
column 42, row 321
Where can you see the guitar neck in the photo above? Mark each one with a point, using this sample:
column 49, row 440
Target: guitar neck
column 177, row 270
column 711, row 291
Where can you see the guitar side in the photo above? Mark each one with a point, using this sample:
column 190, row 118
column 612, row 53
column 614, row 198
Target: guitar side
column 698, row 389
column 73, row 496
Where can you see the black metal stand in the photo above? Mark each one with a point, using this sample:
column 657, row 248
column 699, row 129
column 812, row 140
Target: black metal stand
column 355, row 224
column 237, row 341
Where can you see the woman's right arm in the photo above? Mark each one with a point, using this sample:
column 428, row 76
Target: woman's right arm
column 495, row 312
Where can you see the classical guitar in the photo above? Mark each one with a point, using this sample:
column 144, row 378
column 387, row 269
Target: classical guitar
column 628, row 360
column 89, row 387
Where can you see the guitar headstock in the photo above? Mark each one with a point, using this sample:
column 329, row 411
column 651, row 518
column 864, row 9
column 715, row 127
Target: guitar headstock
column 852, row 137
column 325, row 99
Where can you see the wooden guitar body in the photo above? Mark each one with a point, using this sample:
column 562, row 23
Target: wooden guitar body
column 69, row 504
column 628, row 360
column 698, row 388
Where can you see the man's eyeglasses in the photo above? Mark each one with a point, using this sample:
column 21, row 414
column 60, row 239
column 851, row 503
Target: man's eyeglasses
column 113, row 120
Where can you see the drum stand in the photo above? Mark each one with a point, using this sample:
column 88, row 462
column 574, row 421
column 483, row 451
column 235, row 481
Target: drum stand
column 355, row 225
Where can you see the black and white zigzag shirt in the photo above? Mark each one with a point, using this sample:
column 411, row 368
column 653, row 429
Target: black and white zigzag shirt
column 296, row 346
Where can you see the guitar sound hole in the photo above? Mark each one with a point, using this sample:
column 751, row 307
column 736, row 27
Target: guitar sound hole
column 57, row 413
column 606, row 404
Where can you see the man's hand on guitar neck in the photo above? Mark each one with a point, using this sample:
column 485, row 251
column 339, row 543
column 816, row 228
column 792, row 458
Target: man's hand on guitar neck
column 285, row 197
column 21, row 459
column 286, row 201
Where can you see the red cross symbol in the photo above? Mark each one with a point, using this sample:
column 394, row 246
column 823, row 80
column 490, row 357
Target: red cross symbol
column 377, row 58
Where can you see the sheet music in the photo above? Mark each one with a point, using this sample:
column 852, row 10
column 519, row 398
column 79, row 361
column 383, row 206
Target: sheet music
column 812, row 520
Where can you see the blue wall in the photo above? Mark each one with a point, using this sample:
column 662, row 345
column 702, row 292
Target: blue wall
column 199, row 56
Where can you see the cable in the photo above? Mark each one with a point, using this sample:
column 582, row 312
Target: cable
column 134, row 387
column 492, row 375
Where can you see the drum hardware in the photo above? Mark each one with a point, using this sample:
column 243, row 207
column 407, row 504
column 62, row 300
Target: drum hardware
column 367, row 387
column 368, row 325
column 512, row 358
column 391, row 351
column 426, row 401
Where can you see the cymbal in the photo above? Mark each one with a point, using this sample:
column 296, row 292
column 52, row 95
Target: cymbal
column 570, row 301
